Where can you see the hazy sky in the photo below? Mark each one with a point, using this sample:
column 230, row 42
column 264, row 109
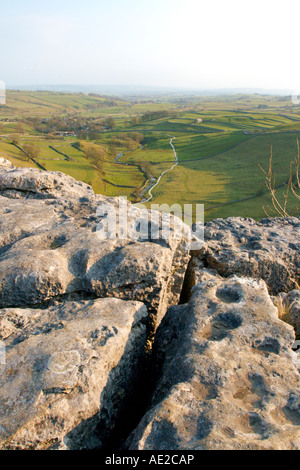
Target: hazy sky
column 180, row 43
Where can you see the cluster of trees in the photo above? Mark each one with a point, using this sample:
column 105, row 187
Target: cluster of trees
column 109, row 122
column 56, row 123
column 152, row 115
column 83, row 127
column 135, row 121
column 128, row 140
column 146, row 168
column 96, row 155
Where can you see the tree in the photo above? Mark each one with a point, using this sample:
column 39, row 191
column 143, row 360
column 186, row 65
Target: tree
column 137, row 137
column 82, row 135
column 135, row 121
column 146, row 168
column 97, row 157
column 31, row 151
column 94, row 135
column 109, row 122
column 15, row 139
column 20, row 128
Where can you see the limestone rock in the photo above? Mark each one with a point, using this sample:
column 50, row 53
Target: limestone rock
column 269, row 250
column 31, row 182
column 50, row 246
column 75, row 308
column 228, row 378
column 66, row 367
column 5, row 163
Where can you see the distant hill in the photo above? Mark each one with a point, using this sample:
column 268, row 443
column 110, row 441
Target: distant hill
column 143, row 90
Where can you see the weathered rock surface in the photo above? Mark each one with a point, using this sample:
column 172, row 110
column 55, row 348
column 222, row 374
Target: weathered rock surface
column 70, row 365
column 75, row 344
column 229, row 378
column 31, row 182
column 50, row 246
column 269, row 250
column 75, row 311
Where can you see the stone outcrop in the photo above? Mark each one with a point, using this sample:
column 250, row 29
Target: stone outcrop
column 31, row 182
column 229, row 379
column 50, row 246
column 73, row 347
column 68, row 366
column 268, row 250
column 79, row 312
column 292, row 302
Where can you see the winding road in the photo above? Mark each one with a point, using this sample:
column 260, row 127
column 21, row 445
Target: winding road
column 153, row 182
column 164, row 172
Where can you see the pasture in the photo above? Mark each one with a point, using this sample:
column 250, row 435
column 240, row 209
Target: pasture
column 220, row 143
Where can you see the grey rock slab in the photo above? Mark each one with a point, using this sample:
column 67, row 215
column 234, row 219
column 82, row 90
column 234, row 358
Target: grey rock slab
column 66, row 366
column 269, row 250
column 228, row 378
column 51, row 245
column 31, row 182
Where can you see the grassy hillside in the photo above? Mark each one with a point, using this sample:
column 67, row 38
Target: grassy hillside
column 120, row 147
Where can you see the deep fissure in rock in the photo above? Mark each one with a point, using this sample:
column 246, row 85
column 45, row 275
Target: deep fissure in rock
column 188, row 283
column 135, row 404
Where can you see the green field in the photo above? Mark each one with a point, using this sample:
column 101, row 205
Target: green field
column 220, row 143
